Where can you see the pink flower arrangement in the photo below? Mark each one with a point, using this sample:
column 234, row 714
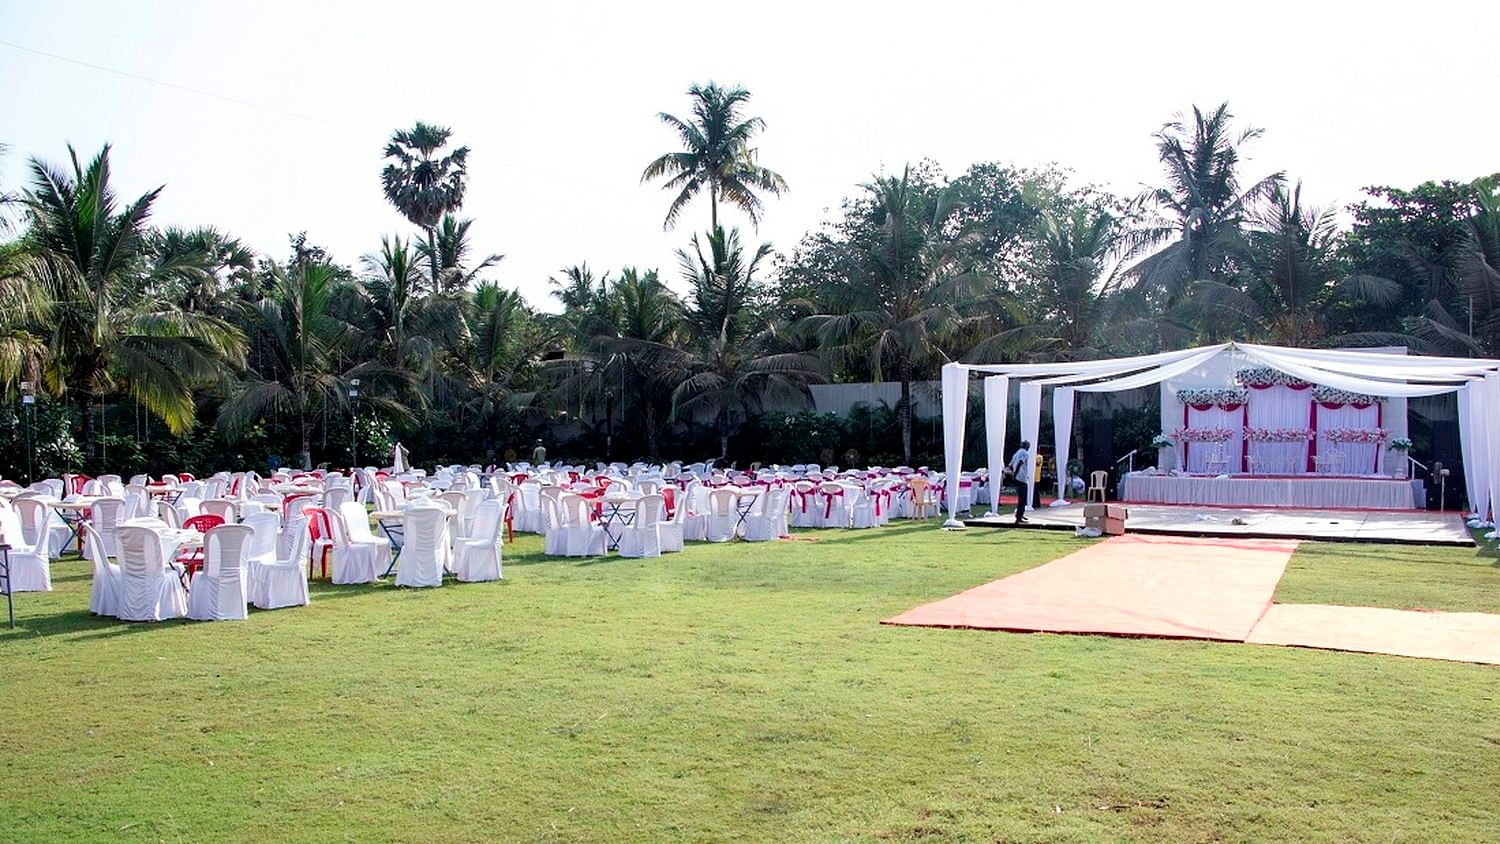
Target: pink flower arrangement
column 1278, row 435
column 1203, row 435
column 1357, row 435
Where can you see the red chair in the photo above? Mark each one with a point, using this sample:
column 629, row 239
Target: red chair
column 184, row 477
column 320, row 528
column 193, row 560
column 75, row 483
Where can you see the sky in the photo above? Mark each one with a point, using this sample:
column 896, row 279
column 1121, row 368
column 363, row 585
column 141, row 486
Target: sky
column 558, row 103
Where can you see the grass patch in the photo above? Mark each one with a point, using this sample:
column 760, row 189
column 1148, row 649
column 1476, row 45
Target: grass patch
column 1400, row 577
column 740, row 692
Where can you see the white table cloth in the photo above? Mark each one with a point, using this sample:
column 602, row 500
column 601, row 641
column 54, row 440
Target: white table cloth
column 1306, row 492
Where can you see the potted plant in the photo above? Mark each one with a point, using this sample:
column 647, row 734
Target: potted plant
column 1400, row 445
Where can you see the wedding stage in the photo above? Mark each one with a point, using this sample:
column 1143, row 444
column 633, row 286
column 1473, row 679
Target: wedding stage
column 1246, row 425
column 1297, row 491
column 1404, row 527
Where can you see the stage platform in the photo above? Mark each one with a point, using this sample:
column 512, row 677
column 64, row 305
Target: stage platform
column 1407, row 527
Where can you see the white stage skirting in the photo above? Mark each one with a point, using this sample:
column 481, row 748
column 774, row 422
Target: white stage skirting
column 1309, row 492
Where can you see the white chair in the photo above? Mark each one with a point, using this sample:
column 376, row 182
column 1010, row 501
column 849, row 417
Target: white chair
column 671, row 533
column 282, row 582
column 861, row 507
column 642, row 537
column 425, row 553
column 358, row 555
column 105, row 515
column 104, row 592
column 41, row 526
column 221, row 507
column 219, row 590
column 768, row 520
column 335, row 497
column 150, row 589
column 480, row 557
column 30, row 570
column 833, row 504
column 169, row 514
column 807, row 510
column 581, row 536
column 723, row 520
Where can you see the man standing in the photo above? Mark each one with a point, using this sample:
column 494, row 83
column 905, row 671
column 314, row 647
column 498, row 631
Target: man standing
column 539, row 454
column 1019, row 462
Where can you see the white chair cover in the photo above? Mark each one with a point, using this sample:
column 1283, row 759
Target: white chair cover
column 282, row 582
column 479, row 556
column 150, row 589
column 104, row 592
column 671, row 533
column 30, row 570
column 769, row 521
column 426, row 550
column 219, row 590
column 642, row 537
column 723, row 520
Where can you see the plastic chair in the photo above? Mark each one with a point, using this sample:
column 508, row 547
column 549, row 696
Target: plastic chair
column 104, row 592
column 282, row 582
column 219, row 591
column 150, row 590
column 30, row 570
column 642, row 537
column 1097, row 480
column 426, row 550
column 480, row 556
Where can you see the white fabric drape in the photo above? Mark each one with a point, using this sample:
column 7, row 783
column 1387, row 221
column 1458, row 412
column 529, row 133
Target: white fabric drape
column 996, row 408
column 955, row 411
column 1357, row 458
column 1472, row 447
column 1278, row 406
column 1062, row 435
column 1031, row 425
column 1295, row 366
column 1100, row 367
column 1490, row 423
column 1215, row 458
column 1141, row 379
column 1378, row 364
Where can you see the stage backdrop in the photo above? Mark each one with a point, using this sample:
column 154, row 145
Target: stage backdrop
column 1279, row 407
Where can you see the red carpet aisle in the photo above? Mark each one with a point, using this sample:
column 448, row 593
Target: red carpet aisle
column 1458, row 636
column 1131, row 585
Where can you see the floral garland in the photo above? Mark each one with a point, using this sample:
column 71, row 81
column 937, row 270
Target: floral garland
column 1265, row 376
column 1204, row 435
column 1278, row 435
column 1333, row 395
column 1213, row 395
column 1356, row 435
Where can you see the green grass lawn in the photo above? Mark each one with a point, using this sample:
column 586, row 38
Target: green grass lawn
column 746, row 693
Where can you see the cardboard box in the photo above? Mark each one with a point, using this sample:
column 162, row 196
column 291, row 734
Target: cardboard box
column 1108, row 519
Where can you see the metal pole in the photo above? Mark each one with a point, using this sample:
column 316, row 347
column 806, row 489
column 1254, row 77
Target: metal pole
column 28, row 405
column 10, row 602
column 353, row 424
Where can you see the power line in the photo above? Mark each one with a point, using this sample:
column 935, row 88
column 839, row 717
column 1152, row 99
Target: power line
column 198, row 91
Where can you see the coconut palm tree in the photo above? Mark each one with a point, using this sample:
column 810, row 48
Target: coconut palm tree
column 727, row 368
column 1197, row 220
column 635, row 358
column 297, row 341
column 422, row 185
column 716, row 155
column 901, row 305
column 1073, row 250
column 452, row 247
column 107, row 328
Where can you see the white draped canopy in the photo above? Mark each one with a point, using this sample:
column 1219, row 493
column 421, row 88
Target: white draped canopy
column 1384, row 374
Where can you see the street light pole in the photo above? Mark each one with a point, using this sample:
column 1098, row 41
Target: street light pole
column 28, row 403
column 353, row 424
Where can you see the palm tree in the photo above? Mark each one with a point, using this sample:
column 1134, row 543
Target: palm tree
column 896, row 312
column 1199, row 215
column 107, row 329
column 423, row 186
column 452, row 248
column 297, row 341
column 716, row 155
column 727, row 368
column 1072, row 252
column 635, row 358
